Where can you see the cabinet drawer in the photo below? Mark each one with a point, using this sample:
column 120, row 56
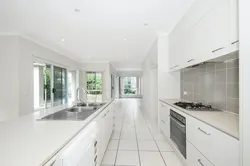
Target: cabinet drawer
column 164, row 120
column 195, row 158
column 164, row 111
column 218, row 147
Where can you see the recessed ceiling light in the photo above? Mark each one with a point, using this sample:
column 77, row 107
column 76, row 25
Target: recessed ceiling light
column 124, row 39
column 62, row 39
column 77, row 10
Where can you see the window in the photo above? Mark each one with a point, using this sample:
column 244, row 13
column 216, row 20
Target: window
column 130, row 86
column 71, row 86
column 42, row 85
column 53, row 85
column 94, row 86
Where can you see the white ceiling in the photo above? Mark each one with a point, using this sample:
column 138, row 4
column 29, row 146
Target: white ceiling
column 97, row 32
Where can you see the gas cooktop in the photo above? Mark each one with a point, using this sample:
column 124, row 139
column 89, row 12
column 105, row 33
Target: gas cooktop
column 195, row 106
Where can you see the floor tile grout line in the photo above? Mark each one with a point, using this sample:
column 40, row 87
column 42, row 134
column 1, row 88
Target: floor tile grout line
column 158, row 147
column 119, row 139
column 107, row 147
column 154, row 140
column 137, row 139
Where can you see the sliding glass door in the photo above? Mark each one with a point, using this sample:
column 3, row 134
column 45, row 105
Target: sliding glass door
column 60, row 86
column 53, row 86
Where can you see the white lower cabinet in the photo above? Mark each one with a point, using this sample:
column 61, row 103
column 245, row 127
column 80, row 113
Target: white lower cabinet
column 105, row 129
column 220, row 148
column 206, row 145
column 80, row 151
column 100, row 138
column 195, row 158
column 88, row 147
column 164, row 120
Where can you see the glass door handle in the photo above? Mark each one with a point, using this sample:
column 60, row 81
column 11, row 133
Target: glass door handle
column 54, row 90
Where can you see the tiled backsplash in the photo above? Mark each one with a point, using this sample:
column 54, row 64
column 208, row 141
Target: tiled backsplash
column 216, row 84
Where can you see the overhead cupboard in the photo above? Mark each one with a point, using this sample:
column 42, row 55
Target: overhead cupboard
column 208, row 30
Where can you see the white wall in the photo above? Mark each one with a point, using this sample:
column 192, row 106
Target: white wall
column 127, row 73
column 9, row 83
column 17, row 55
column 106, row 69
column 244, row 30
column 127, row 65
column 150, row 83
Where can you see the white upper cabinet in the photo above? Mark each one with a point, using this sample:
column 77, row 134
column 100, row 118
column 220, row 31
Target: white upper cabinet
column 208, row 30
column 181, row 39
column 216, row 29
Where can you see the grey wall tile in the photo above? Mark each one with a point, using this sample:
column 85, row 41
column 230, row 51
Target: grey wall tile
column 189, row 97
column 188, row 87
column 219, row 66
column 233, row 75
column 233, row 63
column 215, row 84
column 201, row 69
column 210, row 68
column 233, row 105
column 198, row 98
column 220, row 91
column 220, row 96
column 197, row 87
column 233, row 90
column 220, row 76
column 220, row 104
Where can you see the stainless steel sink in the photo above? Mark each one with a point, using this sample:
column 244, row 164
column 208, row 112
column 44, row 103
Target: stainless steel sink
column 75, row 113
column 81, row 109
column 83, row 104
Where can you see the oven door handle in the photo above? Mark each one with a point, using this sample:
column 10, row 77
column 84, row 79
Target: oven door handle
column 183, row 126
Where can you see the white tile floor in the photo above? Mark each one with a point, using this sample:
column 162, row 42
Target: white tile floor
column 137, row 141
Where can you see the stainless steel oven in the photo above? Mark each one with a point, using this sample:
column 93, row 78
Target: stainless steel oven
column 178, row 131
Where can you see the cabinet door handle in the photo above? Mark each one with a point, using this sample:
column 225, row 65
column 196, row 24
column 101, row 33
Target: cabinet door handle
column 174, row 67
column 237, row 41
column 203, row 131
column 218, row 49
column 199, row 160
column 163, row 121
column 95, row 144
column 190, row 60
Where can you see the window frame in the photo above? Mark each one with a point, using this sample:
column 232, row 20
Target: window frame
column 52, row 65
column 95, row 89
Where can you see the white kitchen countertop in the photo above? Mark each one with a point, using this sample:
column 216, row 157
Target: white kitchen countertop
column 221, row 120
column 27, row 142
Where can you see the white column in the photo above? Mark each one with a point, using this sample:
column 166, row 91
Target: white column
column 244, row 36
